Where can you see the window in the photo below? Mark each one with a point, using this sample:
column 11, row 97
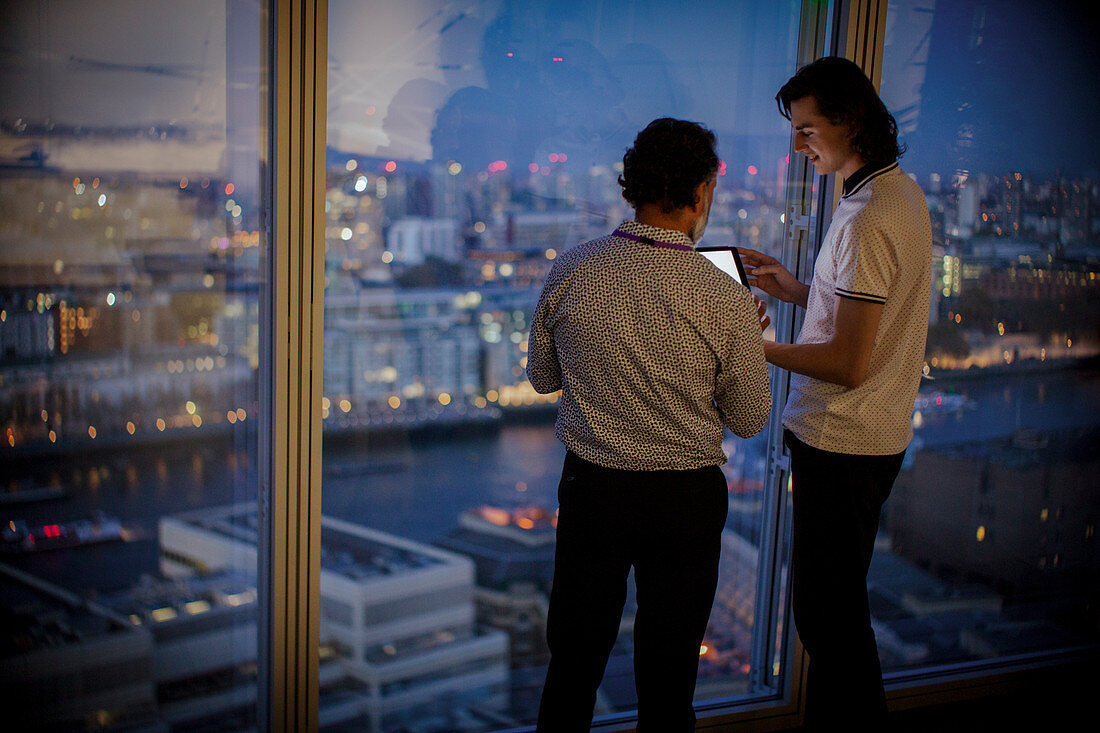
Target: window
column 468, row 146
column 989, row 548
column 134, row 232
column 148, row 214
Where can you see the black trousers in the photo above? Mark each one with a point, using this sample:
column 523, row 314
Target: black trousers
column 837, row 502
column 668, row 526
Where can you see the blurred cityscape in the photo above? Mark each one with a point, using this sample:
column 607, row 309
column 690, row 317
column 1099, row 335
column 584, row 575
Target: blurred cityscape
column 130, row 307
column 130, row 318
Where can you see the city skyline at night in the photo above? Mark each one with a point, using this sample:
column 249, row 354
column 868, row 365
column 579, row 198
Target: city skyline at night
column 469, row 145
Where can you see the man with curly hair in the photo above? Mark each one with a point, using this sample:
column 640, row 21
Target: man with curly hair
column 855, row 370
column 655, row 351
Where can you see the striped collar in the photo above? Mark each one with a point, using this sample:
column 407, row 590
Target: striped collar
column 866, row 173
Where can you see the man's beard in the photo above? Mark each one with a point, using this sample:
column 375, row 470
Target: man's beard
column 700, row 226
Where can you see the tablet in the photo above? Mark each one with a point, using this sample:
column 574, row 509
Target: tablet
column 727, row 260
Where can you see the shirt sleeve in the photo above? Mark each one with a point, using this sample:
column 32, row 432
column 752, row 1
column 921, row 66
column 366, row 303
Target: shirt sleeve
column 543, row 369
column 866, row 263
column 742, row 393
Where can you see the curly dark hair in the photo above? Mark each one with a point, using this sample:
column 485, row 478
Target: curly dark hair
column 668, row 161
column 846, row 97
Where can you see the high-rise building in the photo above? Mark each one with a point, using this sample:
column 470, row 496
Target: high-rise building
column 399, row 615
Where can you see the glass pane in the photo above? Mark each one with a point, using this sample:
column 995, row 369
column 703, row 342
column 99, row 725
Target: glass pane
column 990, row 534
column 131, row 137
column 469, row 144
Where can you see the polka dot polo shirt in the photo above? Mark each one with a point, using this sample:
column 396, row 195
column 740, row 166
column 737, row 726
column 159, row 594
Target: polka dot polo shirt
column 654, row 349
column 878, row 249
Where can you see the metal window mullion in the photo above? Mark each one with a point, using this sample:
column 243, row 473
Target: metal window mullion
column 857, row 32
column 771, row 580
column 290, row 544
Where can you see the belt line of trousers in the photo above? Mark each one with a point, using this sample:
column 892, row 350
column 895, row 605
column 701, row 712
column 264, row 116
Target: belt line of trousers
column 667, row 525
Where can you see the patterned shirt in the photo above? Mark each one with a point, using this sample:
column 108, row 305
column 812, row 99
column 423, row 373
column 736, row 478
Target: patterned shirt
column 878, row 249
column 654, row 349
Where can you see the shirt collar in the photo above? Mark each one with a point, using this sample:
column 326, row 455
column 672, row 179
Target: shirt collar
column 671, row 236
column 872, row 170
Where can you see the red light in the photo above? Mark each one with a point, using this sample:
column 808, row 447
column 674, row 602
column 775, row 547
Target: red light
column 510, row 54
column 391, row 166
column 229, row 189
column 561, row 157
column 553, row 157
column 558, row 58
column 371, row 110
column 752, row 170
column 51, row 530
column 533, row 167
column 721, row 167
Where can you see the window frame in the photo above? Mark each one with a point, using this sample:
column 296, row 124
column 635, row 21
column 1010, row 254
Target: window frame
column 290, row 381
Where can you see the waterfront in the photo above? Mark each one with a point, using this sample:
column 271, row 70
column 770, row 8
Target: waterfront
column 416, row 487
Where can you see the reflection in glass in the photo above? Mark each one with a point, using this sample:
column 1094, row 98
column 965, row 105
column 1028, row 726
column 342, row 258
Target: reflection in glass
column 132, row 237
column 988, row 544
column 468, row 146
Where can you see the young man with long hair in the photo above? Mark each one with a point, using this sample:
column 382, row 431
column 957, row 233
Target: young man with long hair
column 855, row 369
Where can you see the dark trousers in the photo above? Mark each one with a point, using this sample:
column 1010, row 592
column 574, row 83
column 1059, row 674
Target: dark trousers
column 668, row 526
column 837, row 502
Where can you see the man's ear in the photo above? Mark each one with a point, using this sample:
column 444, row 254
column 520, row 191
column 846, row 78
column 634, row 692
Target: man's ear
column 700, row 198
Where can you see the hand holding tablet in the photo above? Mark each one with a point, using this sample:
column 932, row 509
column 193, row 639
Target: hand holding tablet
column 728, row 260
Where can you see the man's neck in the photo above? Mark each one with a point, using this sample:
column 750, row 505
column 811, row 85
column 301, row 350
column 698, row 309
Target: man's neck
column 653, row 216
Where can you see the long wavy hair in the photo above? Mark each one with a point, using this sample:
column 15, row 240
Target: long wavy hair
column 846, row 97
